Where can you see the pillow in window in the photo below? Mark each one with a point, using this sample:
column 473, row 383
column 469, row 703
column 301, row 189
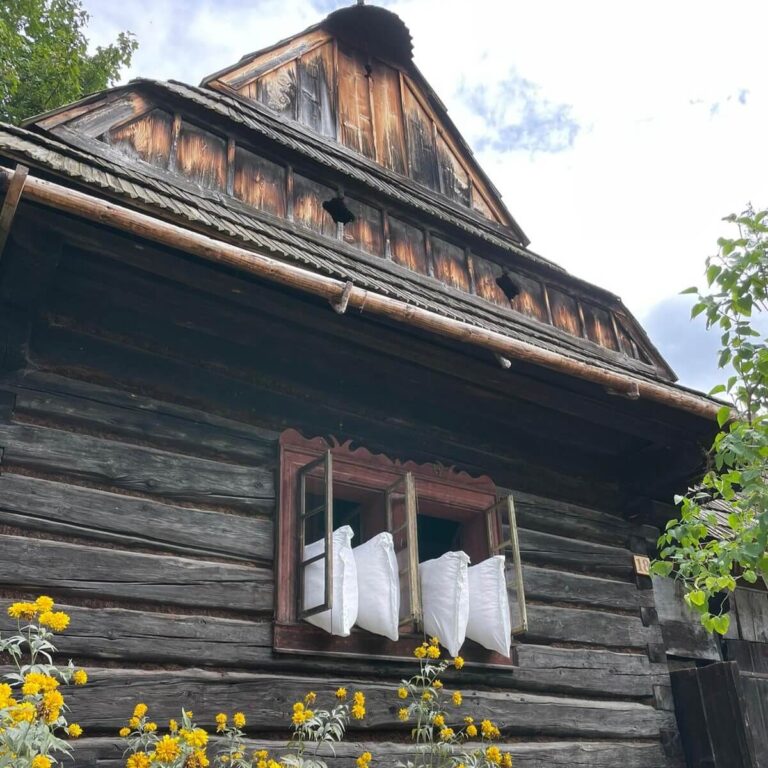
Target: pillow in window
column 378, row 582
column 489, row 620
column 342, row 614
column 445, row 598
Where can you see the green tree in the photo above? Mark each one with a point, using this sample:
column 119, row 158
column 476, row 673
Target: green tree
column 44, row 59
column 734, row 303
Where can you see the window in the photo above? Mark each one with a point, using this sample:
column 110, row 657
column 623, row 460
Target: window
column 428, row 509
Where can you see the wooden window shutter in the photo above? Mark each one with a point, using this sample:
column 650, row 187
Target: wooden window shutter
column 401, row 509
column 501, row 529
column 317, row 476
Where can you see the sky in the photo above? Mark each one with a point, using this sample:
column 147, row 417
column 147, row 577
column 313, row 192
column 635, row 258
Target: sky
column 619, row 134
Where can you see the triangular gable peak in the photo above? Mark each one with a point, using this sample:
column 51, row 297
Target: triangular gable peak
column 351, row 78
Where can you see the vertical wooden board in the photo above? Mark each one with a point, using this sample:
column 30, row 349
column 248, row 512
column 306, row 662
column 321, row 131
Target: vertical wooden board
column 486, row 286
column 627, row 343
column 355, row 119
column 530, row 300
column 480, row 205
column 148, row 138
column 599, row 326
column 277, row 90
column 316, row 97
column 565, row 312
column 454, row 179
column 259, row 182
column 752, row 606
column 691, row 719
column 202, row 156
column 388, row 117
column 406, row 244
column 756, row 701
column 421, row 145
column 750, row 657
column 450, row 264
column 365, row 232
column 308, row 198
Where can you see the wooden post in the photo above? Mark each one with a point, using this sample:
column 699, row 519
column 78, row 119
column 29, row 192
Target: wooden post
column 11, row 202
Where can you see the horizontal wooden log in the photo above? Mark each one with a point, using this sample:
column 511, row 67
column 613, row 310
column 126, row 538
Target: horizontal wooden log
column 561, row 586
column 101, row 573
column 45, row 395
column 105, row 703
column 555, row 624
column 538, row 548
column 128, row 521
column 144, row 470
column 142, row 636
column 108, row 753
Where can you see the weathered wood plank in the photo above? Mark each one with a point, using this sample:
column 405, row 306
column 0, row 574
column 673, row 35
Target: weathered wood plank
column 146, row 470
column 108, row 753
column 128, row 521
column 561, row 586
column 45, row 395
column 142, row 636
column 752, row 607
column 111, row 693
column 100, row 573
column 553, row 624
column 538, row 548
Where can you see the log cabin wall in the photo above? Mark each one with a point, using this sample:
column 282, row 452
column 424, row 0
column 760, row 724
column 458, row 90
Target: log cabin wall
column 142, row 397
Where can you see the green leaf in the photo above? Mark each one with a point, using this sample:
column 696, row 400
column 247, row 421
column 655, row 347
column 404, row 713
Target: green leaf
column 750, row 576
column 697, row 597
column 661, row 567
column 723, row 414
column 721, row 623
column 717, row 389
column 692, row 289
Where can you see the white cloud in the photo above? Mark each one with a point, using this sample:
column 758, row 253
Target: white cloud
column 666, row 146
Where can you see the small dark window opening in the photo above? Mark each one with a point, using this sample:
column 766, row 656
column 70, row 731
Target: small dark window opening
column 508, row 285
column 719, row 603
column 437, row 535
column 338, row 210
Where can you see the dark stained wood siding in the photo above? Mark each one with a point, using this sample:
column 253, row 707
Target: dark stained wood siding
column 147, row 138
column 277, row 90
column 530, row 299
column 454, row 179
column 598, row 326
column 308, row 199
column 565, row 312
column 388, row 118
column 316, row 97
column 355, row 117
column 259, row 182
column 486, row 273
column 366, row 231
column 450, row 264
column 420, row 141
column 202, row 156
column 407, row 245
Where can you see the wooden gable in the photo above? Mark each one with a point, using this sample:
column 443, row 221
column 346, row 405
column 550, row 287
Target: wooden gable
column 364, row 92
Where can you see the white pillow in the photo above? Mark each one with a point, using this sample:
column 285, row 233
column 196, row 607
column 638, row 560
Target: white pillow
column 378, row 583
column 338, row 619
column 445, row 598
column 489, row 620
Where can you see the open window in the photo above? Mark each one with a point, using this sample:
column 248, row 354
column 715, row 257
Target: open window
column 427, row 509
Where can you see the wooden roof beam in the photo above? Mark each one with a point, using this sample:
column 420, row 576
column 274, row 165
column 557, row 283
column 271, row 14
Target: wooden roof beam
column 104, row 212
column 14, row 183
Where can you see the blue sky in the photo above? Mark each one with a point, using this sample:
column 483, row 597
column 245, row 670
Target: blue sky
column 619, row 134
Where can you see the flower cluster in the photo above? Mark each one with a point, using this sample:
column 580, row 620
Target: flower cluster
column 438, row 733
column 32, row 707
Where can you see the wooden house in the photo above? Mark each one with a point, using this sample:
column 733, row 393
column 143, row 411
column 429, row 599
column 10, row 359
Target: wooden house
column 205, row 290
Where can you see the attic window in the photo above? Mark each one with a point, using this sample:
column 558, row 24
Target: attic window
column 508, row 285
column 339, row 211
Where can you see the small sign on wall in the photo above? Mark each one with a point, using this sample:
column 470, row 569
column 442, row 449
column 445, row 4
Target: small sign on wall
column 642, row 565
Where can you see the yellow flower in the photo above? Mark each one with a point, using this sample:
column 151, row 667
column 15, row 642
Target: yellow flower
column 439, row 721
column 507, row 760
column 469, row 720
column 358, row 698
column 446, row 734
column 493, row 755
column 434, row 640
column 150, row 727
column 471, row 731
column 50, row 708
column 457, row 698
column 189, row 713
column 195, row 737
column 310, row 698
column 358, row 711
column 341, row 694
column 25, row 712
column 5, row 694
column 221, row 722
column 426, row 696
column 74, row 730
column 298, row 706
column 41, row 761
column 420, row 652
column 134, row 722
column 402, row 693
column 239, row 720
column 273, row 764
column 26, row 611
column 35, row 682
column 489, row 730
column 173, row 726
column 80, row 677
column 364, row 760
column 437, row 684
column 167, row 748
column 433, row 652
column 57, row 621
column 458, row 662
column 124, row 732
column 138, row 760
column 198, row 760
column 262, row 754
column 44, row 603
column 402, row 714
column 140, row 710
